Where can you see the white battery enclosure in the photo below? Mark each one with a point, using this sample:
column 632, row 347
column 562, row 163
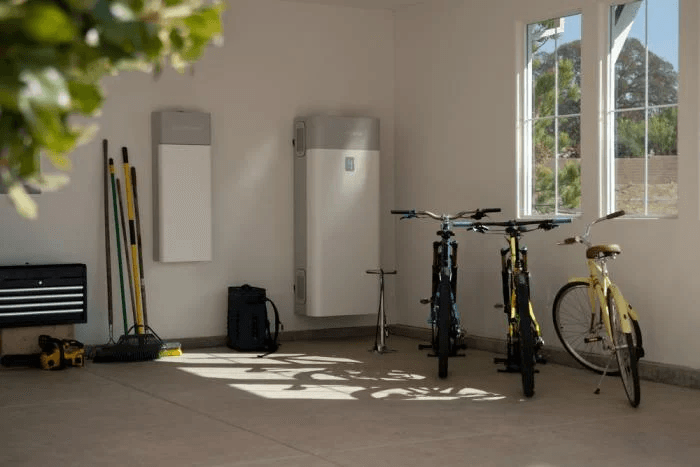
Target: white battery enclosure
column 336, row 168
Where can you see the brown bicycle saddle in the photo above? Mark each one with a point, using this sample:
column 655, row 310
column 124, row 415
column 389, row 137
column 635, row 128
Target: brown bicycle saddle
column 603, row 250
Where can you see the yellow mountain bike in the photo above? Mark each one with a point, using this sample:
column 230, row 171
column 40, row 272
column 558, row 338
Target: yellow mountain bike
column 595, row 323
column 523, row 338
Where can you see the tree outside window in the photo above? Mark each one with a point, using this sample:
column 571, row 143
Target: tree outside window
column 552, row 124
column 643, row 108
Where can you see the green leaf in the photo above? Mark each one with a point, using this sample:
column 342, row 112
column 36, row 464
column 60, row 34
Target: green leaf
column 28, row 160
column 86, row 98
column 205, row 23
column 48, row 182
column 24, row 204
column 10, row 11
column 122, row 12
column 81, row 5
column 176, row 40
column 46, row 22
column 195, row 48
column 48, row 128
column 152, row 45
column 9, row 93
column 44, row 88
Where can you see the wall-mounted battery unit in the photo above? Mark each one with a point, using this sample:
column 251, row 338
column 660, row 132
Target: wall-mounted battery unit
column 182, row 186
column 336, row 214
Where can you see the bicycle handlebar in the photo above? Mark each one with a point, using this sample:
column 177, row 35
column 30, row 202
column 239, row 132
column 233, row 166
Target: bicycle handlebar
column 612, row 215
column 544, row 224
column 585, row 239
column 475, row 214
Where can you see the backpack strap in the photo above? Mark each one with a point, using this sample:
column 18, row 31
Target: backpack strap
column 272, row 344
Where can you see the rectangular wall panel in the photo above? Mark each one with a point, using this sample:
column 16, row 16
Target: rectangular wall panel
column 184, row 194
column 182, row 227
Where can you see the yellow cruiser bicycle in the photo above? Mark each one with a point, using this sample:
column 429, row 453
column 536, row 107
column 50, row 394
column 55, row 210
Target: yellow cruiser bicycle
column 595, row 323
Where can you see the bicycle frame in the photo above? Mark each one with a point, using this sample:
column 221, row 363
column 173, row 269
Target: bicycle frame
column 518, row 261
column 599, row 285
column 446, row 267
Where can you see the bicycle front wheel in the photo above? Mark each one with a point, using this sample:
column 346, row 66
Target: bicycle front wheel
column 626, row 352
column 581, row 330
column 526, row 336
column 444, row 313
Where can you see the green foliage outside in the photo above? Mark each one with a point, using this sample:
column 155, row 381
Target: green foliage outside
column 569, row 180
column 663, row 133
column 53, row 56
column 630, row 126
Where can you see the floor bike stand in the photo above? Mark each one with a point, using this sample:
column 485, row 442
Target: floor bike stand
column 380, row 344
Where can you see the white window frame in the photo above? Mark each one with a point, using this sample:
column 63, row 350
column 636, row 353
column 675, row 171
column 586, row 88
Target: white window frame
column 610, row 112
column 526, row 169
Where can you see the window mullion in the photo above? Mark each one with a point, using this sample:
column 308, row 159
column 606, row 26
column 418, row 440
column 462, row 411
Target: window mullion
column 646, row 108
column 556, row 126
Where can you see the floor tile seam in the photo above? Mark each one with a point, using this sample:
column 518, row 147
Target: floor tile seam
column 281, row 459
column 42, row 403
column 464, row 436
column 220, row 420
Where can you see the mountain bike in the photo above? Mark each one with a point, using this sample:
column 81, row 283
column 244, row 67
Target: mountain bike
column 524, row 339
column 595, row 323
column 447, row 333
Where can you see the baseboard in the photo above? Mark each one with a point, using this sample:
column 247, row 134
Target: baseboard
column 190, row 343
column 650, row 371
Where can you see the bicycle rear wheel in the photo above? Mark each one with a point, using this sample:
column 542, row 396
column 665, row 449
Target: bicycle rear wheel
column 581, row 331
column 444, row 313
column 526, row 336
column 626, row 352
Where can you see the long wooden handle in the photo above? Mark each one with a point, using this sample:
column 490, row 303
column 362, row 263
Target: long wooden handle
column 115, row 208
column 140, row 247
column 132, row 240
column 126, row 254
column 110, row 311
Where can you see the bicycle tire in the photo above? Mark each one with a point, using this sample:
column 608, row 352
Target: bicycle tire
column 626, row 353
column 574, row 322
column 526, row 336
column 444, row 313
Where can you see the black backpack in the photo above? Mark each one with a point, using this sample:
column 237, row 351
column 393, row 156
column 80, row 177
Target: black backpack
column 248, row 325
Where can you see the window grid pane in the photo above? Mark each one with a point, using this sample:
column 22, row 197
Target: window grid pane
column 552, row 117
column 644, row 130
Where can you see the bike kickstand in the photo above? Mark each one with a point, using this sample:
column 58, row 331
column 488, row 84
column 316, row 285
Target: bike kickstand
column 605, row 372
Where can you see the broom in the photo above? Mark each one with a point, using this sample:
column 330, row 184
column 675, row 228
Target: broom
column 170, row 349
column 140, row 346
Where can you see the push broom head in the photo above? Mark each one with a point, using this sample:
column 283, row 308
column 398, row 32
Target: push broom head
column 131, row 348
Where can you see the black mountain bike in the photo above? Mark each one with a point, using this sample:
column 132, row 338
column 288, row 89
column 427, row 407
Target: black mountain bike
column 524, row 339
column 447, row 333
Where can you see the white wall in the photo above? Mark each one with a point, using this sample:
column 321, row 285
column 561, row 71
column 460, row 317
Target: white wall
column 456, row 96
column 280, row 59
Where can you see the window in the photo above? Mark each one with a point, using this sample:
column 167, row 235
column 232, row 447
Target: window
column 551, row 163
column 642, row 121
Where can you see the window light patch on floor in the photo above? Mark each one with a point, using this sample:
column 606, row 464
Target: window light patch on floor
column 313, row 377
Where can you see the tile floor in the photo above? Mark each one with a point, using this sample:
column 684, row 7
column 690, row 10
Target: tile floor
column 335, row 403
